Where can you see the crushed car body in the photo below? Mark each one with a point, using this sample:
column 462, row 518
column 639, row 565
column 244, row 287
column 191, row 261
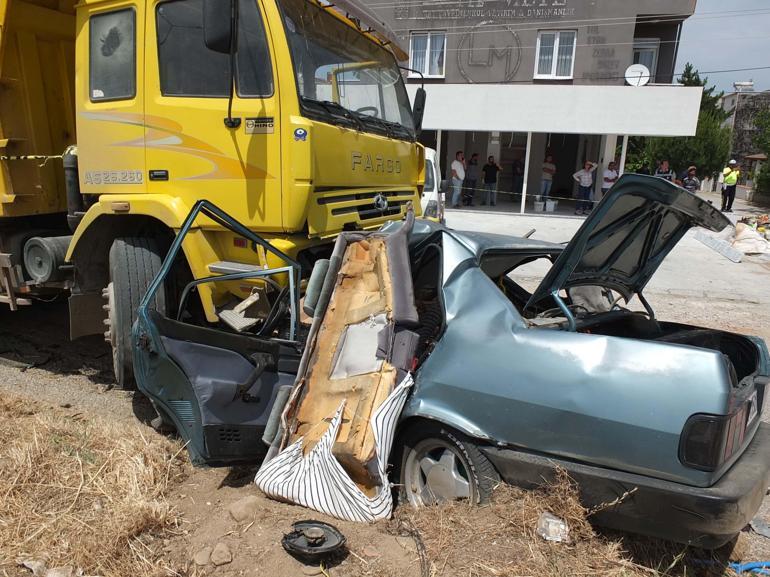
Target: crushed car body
column 511, row 381
column 354, row 373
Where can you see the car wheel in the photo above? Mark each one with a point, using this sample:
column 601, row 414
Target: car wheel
column 134, row 262
column 438, row 464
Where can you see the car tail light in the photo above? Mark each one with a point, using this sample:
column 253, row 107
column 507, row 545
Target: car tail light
column 708, row 441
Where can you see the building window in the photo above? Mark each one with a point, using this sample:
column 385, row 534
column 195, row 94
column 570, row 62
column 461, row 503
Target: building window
column 426, row 53
column 646, row 52
column 112, row 55
column 188, row 68
column 555, row 54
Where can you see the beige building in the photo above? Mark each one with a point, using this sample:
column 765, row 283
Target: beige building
column 522, row 78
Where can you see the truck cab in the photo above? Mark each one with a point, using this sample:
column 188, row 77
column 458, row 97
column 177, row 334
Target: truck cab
column 290, row 115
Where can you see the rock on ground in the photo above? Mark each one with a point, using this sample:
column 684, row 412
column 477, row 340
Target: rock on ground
column 244, row 509
column 202, row 557
column 221, row 554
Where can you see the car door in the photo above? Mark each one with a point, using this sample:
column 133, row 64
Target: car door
column 215, row 386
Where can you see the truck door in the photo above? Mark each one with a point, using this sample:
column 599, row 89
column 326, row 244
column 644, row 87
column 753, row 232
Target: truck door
column 190, row 151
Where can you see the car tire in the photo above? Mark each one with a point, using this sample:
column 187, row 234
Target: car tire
column 134, row 263
column 437, row 464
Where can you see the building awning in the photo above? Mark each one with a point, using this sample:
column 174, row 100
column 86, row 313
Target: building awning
column 669, row 110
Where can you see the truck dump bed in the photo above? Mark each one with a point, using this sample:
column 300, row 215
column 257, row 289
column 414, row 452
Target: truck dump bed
column 37, row 103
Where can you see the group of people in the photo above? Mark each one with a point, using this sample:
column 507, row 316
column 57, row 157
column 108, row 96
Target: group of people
column 585, row 181
column 465, row 180
column 690, row 181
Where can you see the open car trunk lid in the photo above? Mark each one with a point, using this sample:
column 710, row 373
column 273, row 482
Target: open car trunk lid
column 627, row 236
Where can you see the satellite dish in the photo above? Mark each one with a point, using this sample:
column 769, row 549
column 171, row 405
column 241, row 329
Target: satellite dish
column 637, row 75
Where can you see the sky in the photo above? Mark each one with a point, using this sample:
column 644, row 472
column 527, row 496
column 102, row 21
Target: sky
column 727, row 41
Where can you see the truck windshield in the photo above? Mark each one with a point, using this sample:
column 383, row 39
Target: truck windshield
column 342, row 76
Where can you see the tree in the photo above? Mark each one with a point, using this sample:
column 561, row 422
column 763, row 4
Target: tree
column 710, row 101
column 707, row 150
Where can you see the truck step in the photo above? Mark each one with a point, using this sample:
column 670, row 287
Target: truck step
column 230, row 267
column 14, row 302
column 9, row 283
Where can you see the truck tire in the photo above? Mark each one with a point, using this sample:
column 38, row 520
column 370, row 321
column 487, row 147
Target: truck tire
column 134, row 262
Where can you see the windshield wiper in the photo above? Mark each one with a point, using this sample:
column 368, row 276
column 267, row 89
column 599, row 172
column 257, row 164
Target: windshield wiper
column 391, row 128
column 336, row 110
column 377, row 122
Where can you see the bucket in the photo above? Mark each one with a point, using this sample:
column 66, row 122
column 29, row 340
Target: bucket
column 550, row 205
column 539, row 206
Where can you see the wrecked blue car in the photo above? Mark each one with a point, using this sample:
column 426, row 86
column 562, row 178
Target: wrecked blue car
column 512, row 381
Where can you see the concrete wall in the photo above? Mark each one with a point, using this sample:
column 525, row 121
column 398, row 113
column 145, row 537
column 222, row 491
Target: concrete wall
column 747, row 106
column 494, row 41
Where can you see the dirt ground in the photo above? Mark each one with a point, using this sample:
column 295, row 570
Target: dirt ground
column 37, row 361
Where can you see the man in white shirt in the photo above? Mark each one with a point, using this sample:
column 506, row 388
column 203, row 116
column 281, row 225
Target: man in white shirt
column 458, row 176
column 585, row 179
column 609, row 178
column 549, row 169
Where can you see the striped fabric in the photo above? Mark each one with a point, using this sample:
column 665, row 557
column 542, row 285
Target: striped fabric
column 319, row 482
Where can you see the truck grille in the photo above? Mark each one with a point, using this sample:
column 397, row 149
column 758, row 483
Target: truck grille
column 370, row 204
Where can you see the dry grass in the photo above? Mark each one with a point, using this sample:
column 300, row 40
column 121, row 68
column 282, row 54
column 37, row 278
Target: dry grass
column 499, row 540
column 81, row 492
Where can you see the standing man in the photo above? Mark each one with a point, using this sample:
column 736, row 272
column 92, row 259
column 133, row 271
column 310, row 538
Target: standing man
column 491, row 168
column 549, row 169
column 609, row 178
column 585, row 179
column 517, row 168
column 458, row 176
column 730, row 174
column 690, row 182
column 664, row 171
column 471, row 179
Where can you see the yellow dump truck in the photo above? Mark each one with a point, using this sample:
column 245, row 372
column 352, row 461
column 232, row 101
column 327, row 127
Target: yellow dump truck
column 116, row 116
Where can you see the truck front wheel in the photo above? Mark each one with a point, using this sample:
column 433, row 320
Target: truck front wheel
column 134, row 262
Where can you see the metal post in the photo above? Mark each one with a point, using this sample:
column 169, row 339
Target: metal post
column 438, row 150
column 624, row 149
column 526, row 171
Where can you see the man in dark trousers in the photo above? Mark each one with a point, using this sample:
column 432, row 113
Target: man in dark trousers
column 730, row 174
column 471, row 180
column 491, row 168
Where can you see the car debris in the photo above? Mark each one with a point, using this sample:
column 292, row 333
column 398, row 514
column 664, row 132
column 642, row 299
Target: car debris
column 313, row 542
column 719, row 245
column 760, row 526
column 552, row 528
column 749, row 240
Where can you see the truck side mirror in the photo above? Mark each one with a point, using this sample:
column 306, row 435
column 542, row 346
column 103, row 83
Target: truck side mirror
column 218, row 25
column 418, row 109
